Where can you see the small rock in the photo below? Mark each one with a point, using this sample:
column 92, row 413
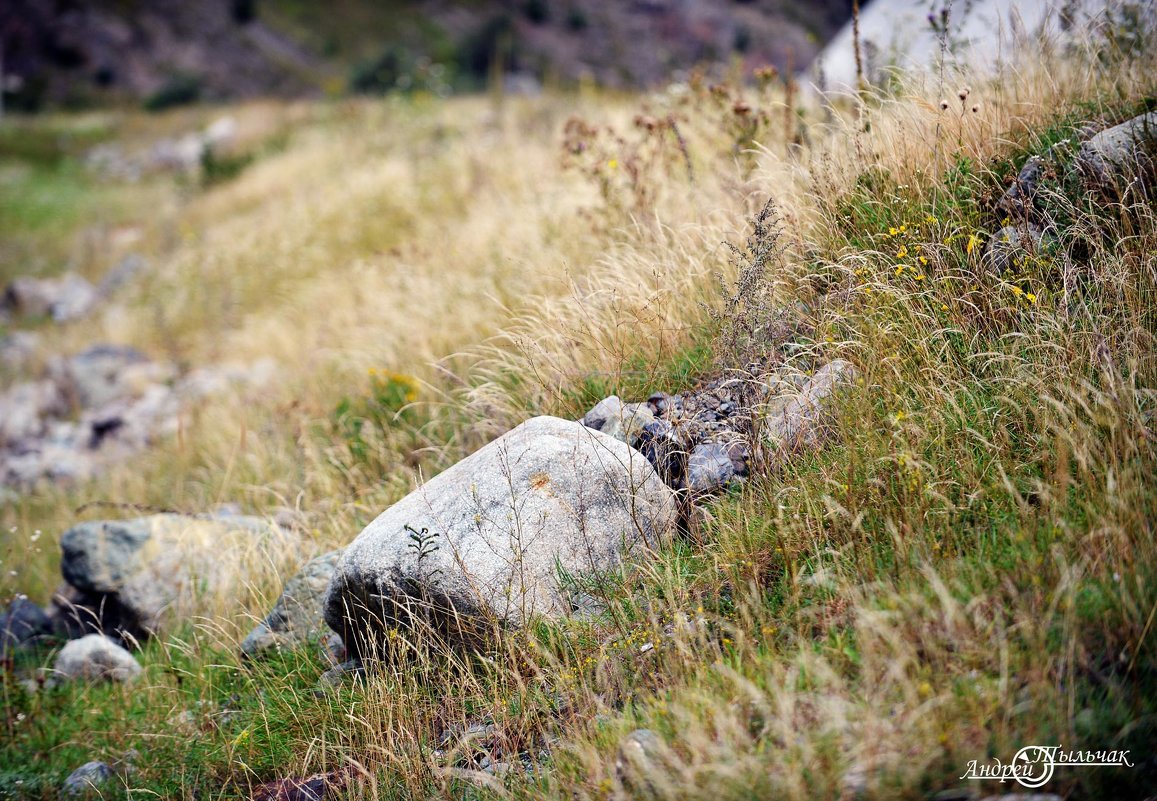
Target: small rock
column 87, row 778
column 660, row 404
column 122, row 274
column 660, row 443
column 220, row 132
column 217, row 379
column 137, row 576
column 709, row 468
column 45, row 460
column 854, row 782
column 105, row 373
column 318, row 787
column 298, row 613
column 340, row 674
column 698, row 519
column 1019, row 201
column 335, row 650
column 184, row 722
column 645, row 765
column 603, row 411
column 797, row 421
column 628, row 426
column 24, row 407
column 740, row 455
column 95, row 657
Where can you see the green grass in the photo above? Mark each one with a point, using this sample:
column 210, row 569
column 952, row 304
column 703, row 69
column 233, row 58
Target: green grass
column 46, row 194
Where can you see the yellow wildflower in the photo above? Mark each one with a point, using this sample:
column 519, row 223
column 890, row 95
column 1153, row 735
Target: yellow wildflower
column 973, row 241
column 1030, row 296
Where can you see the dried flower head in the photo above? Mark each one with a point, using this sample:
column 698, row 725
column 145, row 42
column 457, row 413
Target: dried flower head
column 943, row 105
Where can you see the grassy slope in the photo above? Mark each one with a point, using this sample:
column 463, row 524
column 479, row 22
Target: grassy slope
column 967, row 569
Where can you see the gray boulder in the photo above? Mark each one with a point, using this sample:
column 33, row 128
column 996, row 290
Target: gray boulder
column 1123, row 151
column 65, row 298
column 137, row 576
column 796, row 421
column 87, row 778
column 95, row 657
column 105, row 373
column 709, row 468
column 489, row 541
column 298, row 614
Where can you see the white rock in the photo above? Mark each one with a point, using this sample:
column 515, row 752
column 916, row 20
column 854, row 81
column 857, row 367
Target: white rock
column 95, row 657
column 484, row 543
column 795, row 421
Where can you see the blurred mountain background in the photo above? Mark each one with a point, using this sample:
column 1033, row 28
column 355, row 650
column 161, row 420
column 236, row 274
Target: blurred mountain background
column 79, row 53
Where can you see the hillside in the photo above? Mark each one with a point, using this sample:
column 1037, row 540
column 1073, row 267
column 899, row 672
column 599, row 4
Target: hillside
column 848, row 407
column 91, row 52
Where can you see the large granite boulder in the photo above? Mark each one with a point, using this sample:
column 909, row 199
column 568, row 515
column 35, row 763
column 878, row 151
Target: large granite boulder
column 135, row 577
column 298, row 614
column 490, row 542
